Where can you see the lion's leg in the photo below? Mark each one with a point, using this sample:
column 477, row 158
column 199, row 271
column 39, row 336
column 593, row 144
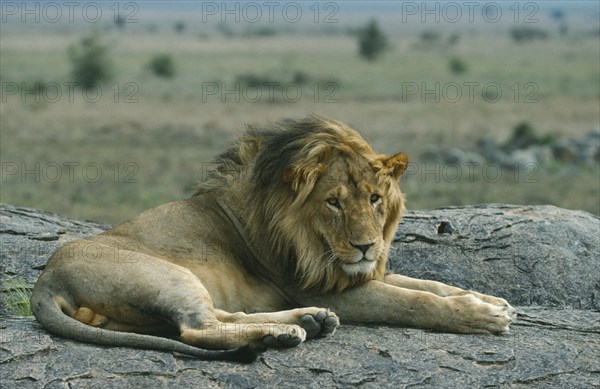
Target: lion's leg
column 143, row 292
column 378, row 302
column 444, row 290
column 434, row 287
column 219, row 335
column 317, row 322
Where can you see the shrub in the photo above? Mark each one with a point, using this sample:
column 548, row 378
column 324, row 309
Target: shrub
column 162, row 65
column 525, row 135
column 90, row 61
column 260, row 31
column 453, row 39
column 429, row 37
column 457, row 66
column 179, row 26
column 259, row 80
column 301, row 78
column 525, row 34
column 372, row 43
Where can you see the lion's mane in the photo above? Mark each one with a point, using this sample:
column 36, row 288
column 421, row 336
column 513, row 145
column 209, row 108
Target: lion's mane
column 278, row 166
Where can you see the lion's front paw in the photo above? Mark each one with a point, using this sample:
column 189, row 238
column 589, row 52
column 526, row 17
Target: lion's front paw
column 284, row 336
column 474, row 315
column 499, row 302
column 320, row 323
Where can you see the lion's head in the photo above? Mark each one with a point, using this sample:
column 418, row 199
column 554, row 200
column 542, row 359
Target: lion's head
column 322, row 199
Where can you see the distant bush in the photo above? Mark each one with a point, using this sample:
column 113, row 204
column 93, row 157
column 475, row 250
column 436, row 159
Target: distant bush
column 457, row 66
column 525, row 135
column 301, row 78
column 286, row 86
column 162, row 65
column 453, row 39
column 260, row 31
column 90, row 61
column 557, row 14
column 525, row 34
column 429, row 37
column 297, row 77
column 256, row 79
column 179, row 26
column 372, row 42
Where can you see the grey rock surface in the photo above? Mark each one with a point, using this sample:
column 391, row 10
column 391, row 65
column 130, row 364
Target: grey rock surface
column 522, row 152
column 543, row 259
column 529, row 255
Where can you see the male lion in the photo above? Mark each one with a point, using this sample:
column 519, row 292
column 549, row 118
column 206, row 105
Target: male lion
column 296, row 216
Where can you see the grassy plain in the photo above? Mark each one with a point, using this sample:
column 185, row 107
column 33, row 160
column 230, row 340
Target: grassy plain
column 148, row 140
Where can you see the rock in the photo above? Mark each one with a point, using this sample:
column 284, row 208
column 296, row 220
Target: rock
column 525, row 158
column 544, row 259
column 588, row 148
column 521, row 152
column 491, row 150
column 530, row 255
column 453, row 156
column 564, row 151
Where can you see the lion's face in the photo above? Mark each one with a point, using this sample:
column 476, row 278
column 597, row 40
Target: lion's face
column 351, row 205
column 354, row 204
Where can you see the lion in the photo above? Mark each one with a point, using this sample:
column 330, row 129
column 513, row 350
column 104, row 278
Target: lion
column 287, row 235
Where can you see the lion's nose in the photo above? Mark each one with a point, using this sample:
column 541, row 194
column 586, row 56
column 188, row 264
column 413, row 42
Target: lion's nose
column 362, row 247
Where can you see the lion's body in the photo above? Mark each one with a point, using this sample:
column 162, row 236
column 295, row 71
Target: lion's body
column 299, row 215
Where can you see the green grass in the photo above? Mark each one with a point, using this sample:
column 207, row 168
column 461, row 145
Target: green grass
column 165, row 137
column 15, row 296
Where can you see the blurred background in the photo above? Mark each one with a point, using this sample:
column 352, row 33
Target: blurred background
column 110, row 108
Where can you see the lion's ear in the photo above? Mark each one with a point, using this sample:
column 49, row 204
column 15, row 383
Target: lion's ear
column 395, row 165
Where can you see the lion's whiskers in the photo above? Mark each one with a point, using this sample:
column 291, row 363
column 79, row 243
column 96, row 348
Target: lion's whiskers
column 332, row 259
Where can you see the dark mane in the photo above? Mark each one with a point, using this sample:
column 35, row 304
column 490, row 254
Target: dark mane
column 270, row 150
column 277, row 168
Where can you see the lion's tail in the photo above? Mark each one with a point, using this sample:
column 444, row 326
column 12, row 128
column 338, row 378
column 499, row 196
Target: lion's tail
column 48, row 312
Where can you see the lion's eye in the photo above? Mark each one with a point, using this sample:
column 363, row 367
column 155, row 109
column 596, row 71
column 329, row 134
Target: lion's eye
column 375, row 198
column 333, row 202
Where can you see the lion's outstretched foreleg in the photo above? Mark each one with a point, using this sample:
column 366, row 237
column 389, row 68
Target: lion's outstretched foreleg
column 379, row 302
column 444, row 290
